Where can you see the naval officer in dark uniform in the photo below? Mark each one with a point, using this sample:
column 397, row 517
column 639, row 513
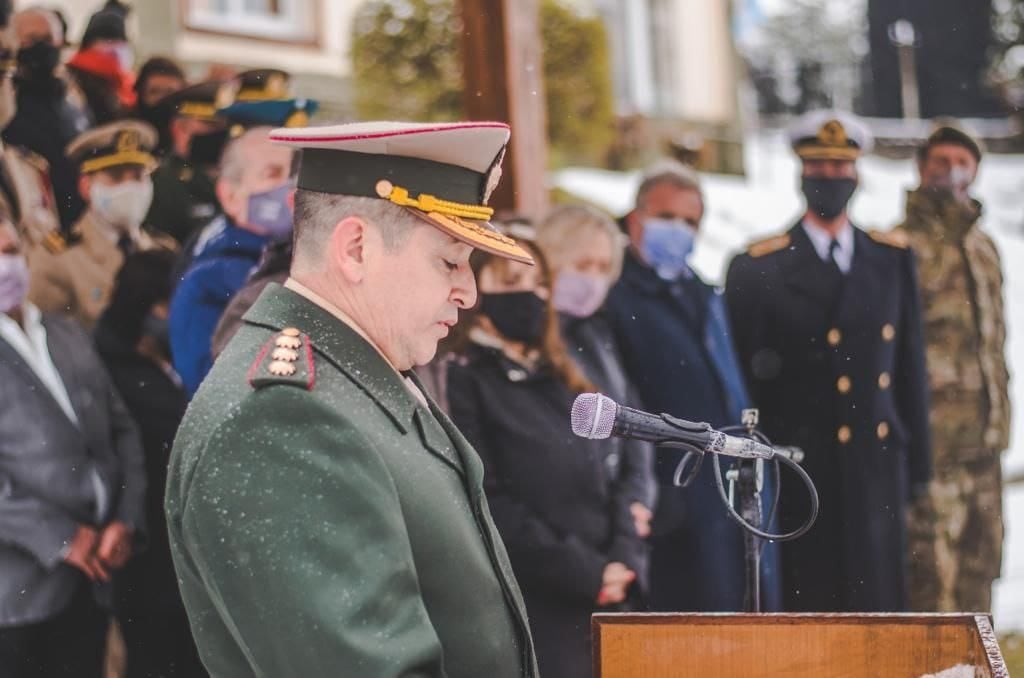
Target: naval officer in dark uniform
column 827, row 323
column 325, row 517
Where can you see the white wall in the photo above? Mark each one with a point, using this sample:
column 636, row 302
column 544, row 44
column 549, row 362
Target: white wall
column 155, row 27
column 705, row 68
column 331, row 57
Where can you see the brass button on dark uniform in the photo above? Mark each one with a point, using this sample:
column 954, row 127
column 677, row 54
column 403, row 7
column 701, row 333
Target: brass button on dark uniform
column 888, row 332
column 288, row 342
column 844, row 434
column 290, row 332
column 884, row 380
column 834, row 337
column 883, row 431
column 844, row 384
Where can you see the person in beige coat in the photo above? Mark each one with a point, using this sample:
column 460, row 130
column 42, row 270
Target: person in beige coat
column 76, row 275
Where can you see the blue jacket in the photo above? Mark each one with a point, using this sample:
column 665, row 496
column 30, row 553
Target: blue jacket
column 221, row 263
column 677, row 349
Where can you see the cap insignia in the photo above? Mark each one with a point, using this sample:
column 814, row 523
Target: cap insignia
column 276, row 86
column 493, row 177
column 129, row 141
column 832, row 133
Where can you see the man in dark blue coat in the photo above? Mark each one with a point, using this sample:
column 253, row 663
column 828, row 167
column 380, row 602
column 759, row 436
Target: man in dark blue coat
column 255, row 191
column 828, row 328
column 675, row 339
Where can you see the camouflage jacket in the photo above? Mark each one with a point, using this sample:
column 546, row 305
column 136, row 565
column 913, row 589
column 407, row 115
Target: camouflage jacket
column 965, row 330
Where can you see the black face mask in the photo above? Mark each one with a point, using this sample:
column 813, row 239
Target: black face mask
column 37, row 62
column 159, row 330
column 204, row 150
column 160, row 118
column 519, row 316
column 828, row 197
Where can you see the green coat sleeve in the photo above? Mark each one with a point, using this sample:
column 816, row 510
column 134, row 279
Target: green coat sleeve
column 295, row 526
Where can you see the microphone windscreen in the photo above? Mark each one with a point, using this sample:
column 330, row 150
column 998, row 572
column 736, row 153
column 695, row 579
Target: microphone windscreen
column 593, row 416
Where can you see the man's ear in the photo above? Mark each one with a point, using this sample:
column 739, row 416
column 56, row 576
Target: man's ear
column 230, row 199
column 634, row 226
column 347, row 249
column 84, row 186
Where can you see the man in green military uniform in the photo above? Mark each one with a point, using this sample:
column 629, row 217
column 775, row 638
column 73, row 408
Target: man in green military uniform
column 956, row 532
column 325, row 517
column 184, row 199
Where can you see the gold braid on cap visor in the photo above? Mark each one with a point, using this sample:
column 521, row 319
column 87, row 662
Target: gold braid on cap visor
column 429, row 203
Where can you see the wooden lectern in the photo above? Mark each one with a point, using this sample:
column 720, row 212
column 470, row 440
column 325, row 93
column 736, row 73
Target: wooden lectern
column 794, row 645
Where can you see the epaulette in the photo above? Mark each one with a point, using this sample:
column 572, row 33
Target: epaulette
column 763, row 247
column 287, row 358
column 897, row 238
column 55, row 243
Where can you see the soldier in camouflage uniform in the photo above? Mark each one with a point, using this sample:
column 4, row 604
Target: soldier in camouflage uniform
column 956, row 531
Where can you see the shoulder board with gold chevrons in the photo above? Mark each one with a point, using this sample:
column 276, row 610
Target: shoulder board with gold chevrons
column 55, row 243
column 769, row 245
column 897, row 238
column 287, row 358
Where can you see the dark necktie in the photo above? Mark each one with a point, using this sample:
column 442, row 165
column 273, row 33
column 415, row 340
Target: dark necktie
column 126, row 245
column 833, row 248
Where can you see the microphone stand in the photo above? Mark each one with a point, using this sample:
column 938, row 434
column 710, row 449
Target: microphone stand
column 747, row 477
column 747, row 480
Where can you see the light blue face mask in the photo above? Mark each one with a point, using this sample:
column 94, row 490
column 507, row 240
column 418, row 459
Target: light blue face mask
column 269, row 211
column 666, row 244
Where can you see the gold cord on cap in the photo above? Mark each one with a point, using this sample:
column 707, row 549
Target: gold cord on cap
column 428, row 203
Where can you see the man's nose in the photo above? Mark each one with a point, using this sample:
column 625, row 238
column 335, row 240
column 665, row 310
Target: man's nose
column 464, row 292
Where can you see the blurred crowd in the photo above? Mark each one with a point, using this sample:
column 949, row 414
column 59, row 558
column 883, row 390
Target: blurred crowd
column 141, row 214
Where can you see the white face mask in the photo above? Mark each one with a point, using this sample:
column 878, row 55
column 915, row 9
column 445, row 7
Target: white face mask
column 123, row 205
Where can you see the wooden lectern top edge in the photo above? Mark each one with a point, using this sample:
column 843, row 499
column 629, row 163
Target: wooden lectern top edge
column 788, row 618
column 723, row 644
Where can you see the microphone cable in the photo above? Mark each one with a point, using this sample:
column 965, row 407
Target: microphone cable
column 694, row 452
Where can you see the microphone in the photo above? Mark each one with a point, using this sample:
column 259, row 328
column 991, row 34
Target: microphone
column 596, row 416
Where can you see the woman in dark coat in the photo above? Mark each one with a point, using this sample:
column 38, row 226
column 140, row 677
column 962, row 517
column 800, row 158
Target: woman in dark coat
column 584, row 248
column 132, row 340
column 559, row 506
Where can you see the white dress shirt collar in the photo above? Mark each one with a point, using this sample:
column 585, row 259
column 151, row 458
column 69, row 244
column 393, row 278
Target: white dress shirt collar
column 30, row 344
column 822, row 242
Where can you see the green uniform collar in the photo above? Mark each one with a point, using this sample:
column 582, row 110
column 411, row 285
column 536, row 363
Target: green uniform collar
column 278, row 308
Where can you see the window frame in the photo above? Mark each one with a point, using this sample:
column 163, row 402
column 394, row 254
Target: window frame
column 305, row 31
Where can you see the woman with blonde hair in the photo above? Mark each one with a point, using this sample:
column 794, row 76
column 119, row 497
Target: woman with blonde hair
column 554, row 497
column 585, row 250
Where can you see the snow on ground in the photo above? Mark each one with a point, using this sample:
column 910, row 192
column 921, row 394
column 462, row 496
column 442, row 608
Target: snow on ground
column 767, row 201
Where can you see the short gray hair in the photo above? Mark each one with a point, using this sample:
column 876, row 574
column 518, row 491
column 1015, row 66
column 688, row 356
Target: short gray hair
column 668, row 171
column 317, row 213
column 234, row 157
column 568, row 225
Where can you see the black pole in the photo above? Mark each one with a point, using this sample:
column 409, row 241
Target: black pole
column 750, row 509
